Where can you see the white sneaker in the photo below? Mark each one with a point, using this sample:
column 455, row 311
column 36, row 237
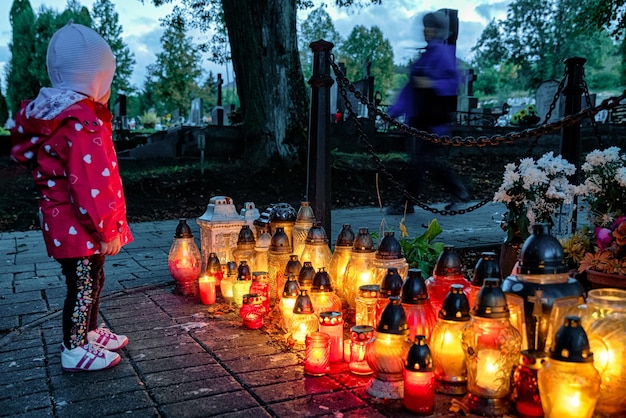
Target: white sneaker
column 108, row 340
column 88, row 357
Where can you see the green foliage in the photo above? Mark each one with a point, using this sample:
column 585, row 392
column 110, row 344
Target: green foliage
column 421, row 252
column 149, row 120
column 363, row 44
column 48, row 21
column 22, row 84
column 602, row 14
column 172, row 81
column 106, row 23
column 531, row 44
column 318, row 25
column 4, row 110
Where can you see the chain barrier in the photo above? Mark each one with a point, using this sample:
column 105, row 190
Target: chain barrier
column 345, row 86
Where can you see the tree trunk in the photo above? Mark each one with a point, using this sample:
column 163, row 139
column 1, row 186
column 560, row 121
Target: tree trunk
column 270, row 85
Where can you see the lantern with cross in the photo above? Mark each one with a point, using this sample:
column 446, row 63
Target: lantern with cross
column 219, row 229
column 541, row 292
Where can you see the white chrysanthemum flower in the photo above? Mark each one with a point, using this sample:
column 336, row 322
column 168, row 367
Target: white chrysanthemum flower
column 620, row 176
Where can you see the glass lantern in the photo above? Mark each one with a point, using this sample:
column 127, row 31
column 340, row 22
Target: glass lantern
column 391, row 285
column 331, row 322
column 209, row 283
column 242, row 284
column 448, row 271
column 604, row 319
column 306, row 275
column 293, row 266
column 317, row 353
column 359, row 269
column 228, row 280
column 249, row 213
column 359, row 337
column 316, row 249
column 340, row 258
column 278, row 257
column 184, row 261
column 525, row 385
column 366, row 304
column 419, row 382
column 261, row 249
column 389, row 255
column 488, row 265
column 304, row 221
column 322, row 295
column 386, row 351
column 569, row 384
column 492, row 348
column 219, row 229
column 283, row 215
column 214, row 268
column 288, row 300
column 261, row 286
column 420, row 315
column 304, row 320
column 445, row 342
column 245, row 247
column 541, row 292
column 252, row 311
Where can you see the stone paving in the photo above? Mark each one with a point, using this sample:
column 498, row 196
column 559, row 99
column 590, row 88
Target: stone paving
column 183, row 360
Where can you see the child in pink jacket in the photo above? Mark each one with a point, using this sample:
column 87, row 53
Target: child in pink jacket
column 64, row 135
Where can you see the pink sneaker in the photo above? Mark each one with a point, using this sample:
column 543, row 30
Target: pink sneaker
column 108, row 340
column 88, row 358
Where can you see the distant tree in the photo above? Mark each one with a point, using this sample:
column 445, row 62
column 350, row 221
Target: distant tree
column 47, row 22
column 318, row 25
column 606, row 14
column 76, row 12
column 106, row 23
column 22, row 84
column 171, row 82
column 364, row 44
column 208, row 92
column 43, row 25
column 262, row 42
column 532, row 43
column 4, row 110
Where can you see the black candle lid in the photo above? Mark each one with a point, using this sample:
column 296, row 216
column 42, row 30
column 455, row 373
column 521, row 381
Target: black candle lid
column 571, row 343
column 419, row 358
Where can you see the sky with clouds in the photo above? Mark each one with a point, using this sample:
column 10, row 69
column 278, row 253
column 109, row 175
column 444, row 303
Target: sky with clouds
column 397, row 19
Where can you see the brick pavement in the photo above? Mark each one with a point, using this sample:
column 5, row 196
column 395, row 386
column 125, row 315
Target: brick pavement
column 182, row 359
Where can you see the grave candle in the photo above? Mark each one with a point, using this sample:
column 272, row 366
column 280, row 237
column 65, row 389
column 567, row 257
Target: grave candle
column 206, row 285
column 331, row 322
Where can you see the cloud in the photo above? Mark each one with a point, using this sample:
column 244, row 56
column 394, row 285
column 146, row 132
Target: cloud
column 491, row 11
column 145, row 47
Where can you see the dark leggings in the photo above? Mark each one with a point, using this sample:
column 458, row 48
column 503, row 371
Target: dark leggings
column 84, row 278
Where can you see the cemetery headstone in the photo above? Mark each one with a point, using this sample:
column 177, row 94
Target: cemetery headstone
column 544, row 98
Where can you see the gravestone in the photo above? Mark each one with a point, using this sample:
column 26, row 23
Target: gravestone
column 195, row 114
column 544, row 98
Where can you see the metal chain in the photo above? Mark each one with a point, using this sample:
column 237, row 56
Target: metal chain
column 481, row 141
column 594, row 123
column 555, row 101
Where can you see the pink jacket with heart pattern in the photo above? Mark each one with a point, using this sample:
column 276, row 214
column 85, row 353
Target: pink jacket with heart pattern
column 74, row 165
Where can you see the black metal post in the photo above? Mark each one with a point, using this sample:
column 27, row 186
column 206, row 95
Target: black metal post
column 573, row 90
column 318, row 162
column 571, row 147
